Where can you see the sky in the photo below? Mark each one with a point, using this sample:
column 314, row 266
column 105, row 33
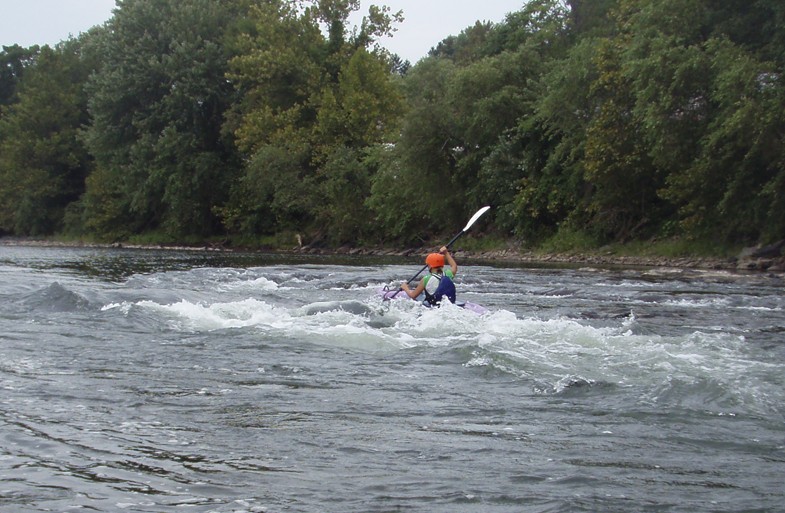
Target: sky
column 426, row 22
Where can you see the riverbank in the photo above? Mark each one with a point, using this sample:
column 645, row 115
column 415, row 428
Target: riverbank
column 742, row 263
column 750, row 259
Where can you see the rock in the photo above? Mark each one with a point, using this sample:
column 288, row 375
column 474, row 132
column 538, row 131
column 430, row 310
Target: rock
column 747, row 253
column 777, row 266
column 770, row 251
column 766, row 258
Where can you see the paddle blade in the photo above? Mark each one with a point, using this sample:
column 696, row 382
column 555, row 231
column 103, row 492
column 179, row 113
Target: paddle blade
column 475, row 217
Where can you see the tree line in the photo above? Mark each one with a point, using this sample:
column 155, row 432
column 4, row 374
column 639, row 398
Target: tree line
column 246, row 120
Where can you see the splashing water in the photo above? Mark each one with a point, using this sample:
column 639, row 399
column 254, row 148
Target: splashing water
column 151, row 381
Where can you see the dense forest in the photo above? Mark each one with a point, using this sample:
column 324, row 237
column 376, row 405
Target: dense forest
column 255, row 121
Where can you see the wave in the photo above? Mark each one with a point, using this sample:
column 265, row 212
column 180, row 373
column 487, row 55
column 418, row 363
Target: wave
column 555, row 355
column 553, row 342
column 54, row 298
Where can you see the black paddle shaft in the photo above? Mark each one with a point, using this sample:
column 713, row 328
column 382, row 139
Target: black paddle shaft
column 457, row 236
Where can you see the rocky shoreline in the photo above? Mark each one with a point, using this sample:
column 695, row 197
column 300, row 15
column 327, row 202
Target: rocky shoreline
column 742, row 263
column 767, row 259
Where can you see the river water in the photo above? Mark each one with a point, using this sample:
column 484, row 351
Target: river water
column 149, row 381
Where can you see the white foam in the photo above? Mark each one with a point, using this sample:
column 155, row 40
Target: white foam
column 558, row 351
column 238, row 314
column 698, row 303
column 261, row 284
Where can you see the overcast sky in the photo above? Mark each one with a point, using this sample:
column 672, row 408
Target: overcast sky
column 30, row 22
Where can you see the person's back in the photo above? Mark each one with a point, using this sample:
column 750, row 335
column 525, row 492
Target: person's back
column 438, row 286
column 439, row 283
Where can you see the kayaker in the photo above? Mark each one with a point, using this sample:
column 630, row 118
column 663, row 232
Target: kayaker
column 438, row 283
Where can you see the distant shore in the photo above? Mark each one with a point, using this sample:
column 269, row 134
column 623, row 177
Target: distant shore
column 773, row 265
column 745, row 262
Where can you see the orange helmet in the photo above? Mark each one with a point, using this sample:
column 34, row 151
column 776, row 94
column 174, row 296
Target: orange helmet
column 434, row 260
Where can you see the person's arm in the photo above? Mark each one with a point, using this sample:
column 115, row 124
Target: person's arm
column 450, row 260
column 417, row 290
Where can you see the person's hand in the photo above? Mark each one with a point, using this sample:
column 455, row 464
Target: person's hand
column 405, row 286
column 444, row 250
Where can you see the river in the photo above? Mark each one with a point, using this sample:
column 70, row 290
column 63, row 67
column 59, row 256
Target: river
column 161, row 381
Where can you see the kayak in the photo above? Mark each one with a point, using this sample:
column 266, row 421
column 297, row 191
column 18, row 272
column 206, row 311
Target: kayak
column 388, row 294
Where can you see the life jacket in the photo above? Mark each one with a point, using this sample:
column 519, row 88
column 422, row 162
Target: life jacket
column 439, row 286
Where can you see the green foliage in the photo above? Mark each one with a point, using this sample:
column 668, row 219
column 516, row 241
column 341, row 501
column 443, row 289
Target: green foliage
column 345, row 184
column 479, row 242
column 550, row 145
column 569, row 239
column 157, row 106
column 14, row 60
column 393, row 200
column 279, row 189
column 312, row 105
column 43, row 162
column 582, row 124
column 711, row 115
column 469, row 46
column 618, row 168
column 414, row 192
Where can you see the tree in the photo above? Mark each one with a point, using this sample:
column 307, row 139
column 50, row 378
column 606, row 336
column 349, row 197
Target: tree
column 43, row 162
column 462, row 142
column 618, row 168
column 355, row 116
column 517, row 163
column 413, row 194
column 706, row 108
column 552, row 142
column 733, row 189
column 13, row 62
column 158, row 105
column 468, row 46
column 323, row 99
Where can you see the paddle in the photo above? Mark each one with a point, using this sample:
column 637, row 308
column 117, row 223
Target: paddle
column 474, row 219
